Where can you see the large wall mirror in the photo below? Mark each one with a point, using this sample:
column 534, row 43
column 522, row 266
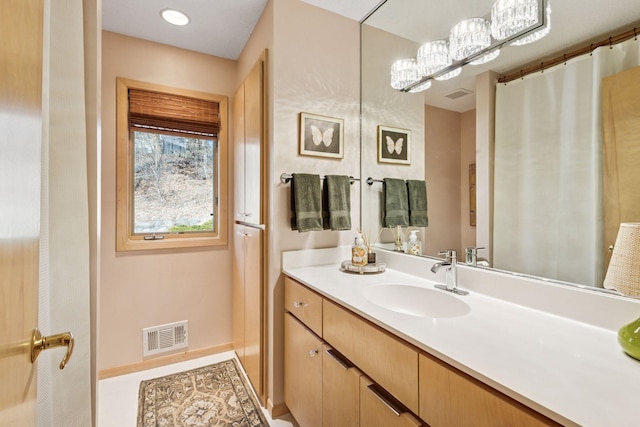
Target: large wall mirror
column 461, row 133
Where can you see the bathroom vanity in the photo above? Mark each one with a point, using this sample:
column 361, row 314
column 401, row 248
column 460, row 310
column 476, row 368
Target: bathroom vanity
column 390, row 350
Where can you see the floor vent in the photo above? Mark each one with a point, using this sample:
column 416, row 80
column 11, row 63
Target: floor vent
column 164, row 338
column 457, row 93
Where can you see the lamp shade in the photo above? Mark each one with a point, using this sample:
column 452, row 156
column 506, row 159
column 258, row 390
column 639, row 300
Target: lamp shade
column 623, row 274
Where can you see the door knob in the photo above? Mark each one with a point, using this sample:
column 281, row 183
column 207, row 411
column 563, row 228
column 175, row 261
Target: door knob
column 39, row 343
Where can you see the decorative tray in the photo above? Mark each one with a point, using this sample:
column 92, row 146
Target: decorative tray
column 378, row 267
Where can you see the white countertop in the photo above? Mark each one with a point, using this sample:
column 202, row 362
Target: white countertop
column 571, row 371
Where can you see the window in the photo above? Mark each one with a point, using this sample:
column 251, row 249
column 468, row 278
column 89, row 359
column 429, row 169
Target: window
column 171, row 167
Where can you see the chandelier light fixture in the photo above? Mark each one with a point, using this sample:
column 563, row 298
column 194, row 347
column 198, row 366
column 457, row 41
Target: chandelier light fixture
column 538, row 34
column 473, row 41
column 433, row 57
column 403, row 73
column 469, row 37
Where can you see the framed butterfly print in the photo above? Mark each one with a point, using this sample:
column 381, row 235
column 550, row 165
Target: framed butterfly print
column 321, row 136
column 394, row 145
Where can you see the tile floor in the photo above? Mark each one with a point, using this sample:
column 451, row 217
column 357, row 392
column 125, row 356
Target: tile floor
column 118, row 396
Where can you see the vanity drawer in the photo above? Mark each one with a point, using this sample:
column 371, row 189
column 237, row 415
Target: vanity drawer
column 304, row 304
column 386, row 359
column 378, row 410
column 449, row 397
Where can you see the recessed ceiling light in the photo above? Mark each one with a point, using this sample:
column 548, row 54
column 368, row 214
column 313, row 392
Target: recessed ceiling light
column 174, row 17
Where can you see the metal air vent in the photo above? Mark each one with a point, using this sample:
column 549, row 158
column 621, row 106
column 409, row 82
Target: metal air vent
column 164, row 338
column 457, row 93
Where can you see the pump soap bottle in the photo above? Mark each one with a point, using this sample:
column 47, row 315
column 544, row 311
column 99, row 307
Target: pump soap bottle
column 359, row 254
column 414, row 246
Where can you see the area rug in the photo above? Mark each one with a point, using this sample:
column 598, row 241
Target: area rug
column 214, row 395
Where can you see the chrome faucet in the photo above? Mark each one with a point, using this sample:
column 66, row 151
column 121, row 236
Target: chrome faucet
column 451, row 272
column 471, row 255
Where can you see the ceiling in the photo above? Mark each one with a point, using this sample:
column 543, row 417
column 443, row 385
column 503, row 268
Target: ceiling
column 219, row 28
column 222, row 28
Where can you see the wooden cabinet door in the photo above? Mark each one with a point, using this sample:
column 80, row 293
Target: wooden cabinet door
column 376, row 410
column 238, row 154
column 21, row 50
column 238, row 263
column 621, row 127
column 340, row 390
column 302, row 373
column 253, row 147
column 253, row 299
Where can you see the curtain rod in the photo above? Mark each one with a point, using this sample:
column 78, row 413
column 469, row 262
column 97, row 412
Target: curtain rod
column 610, row 41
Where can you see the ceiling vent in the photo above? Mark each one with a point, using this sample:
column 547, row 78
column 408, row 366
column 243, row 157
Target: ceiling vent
column 457, row 93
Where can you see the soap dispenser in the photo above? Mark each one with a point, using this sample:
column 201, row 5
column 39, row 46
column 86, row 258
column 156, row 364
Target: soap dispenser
column 359, row 255
column 414, row 246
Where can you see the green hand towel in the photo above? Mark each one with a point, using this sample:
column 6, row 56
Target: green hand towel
column 396, row 203
column 417, row 203
column 337, row 195
column 306, row 202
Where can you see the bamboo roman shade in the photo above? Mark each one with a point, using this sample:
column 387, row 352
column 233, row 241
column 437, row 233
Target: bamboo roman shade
column 170, row 113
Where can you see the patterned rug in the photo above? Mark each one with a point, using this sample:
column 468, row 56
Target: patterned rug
column 214, row 395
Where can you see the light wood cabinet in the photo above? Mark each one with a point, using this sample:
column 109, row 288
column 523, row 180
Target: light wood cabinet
column 369, row 377
column 340, row 390
column 385, row 358
column 304, row 304
column 302, row 373
column 249, row 248
column 450, row 398
column 378, row 410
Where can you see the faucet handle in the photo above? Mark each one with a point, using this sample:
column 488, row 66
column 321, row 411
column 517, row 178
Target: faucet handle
column 471, row 255
column 450, row 254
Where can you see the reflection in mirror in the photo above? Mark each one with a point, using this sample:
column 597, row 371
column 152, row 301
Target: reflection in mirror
column 540, row 185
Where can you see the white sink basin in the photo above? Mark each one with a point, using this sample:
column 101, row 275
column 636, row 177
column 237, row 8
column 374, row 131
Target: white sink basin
column 415, row 301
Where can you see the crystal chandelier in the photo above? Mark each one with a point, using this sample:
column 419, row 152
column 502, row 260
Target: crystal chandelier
column 538, row 34
column 471, row 36
column 403, row 73
column 470, row 42
column 433, row 57
column 509, row 17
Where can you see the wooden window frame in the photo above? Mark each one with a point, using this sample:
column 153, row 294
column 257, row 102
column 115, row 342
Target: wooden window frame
column 126, row 240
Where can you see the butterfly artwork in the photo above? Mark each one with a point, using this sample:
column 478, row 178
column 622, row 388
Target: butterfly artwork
column 394, row 145
column 321, row 136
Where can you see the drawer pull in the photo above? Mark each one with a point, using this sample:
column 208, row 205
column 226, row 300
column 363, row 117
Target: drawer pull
column 313, row 352
column 393, row 407
column 338, row 359
column 298, row 304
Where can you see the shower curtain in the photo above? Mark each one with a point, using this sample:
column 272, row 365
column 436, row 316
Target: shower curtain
column 548, row 217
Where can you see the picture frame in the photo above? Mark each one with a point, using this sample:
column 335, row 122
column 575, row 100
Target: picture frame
column 321, row 136
column 394, row 145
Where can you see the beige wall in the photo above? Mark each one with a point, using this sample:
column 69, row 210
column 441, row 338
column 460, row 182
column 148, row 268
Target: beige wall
column 320, row 76
column 383, row 105
column 450, row 149
column 141, row 289
column 442, row 151
column 316, row 70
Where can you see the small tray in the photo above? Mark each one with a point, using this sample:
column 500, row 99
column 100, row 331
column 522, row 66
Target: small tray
column 378, row 267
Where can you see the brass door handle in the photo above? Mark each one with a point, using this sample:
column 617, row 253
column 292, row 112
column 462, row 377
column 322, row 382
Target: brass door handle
column 39, row 343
